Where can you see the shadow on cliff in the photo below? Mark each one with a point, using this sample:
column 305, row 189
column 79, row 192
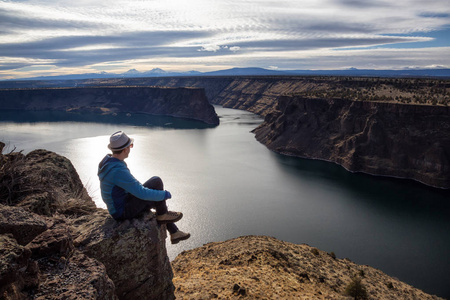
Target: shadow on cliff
column 145, row 120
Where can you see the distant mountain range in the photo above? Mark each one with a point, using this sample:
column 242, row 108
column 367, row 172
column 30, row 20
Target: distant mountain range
column 157, row 72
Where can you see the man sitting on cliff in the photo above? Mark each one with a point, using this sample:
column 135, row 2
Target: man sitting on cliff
column 127, row 198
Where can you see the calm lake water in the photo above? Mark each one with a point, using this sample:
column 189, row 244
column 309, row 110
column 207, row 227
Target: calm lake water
column 228, row 185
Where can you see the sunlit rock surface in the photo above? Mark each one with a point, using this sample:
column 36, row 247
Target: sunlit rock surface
column 261, row 267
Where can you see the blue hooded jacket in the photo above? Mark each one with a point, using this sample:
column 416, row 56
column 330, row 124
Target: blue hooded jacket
column 116, row 183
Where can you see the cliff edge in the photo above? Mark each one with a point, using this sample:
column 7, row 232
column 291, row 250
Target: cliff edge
column 261, row 267
column 55, row 244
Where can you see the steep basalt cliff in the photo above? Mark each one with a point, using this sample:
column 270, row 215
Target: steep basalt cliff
column 55, row 244
column 178, row 102
column 256, row 94
column 261, row 267
column 259, row 94
column 407, row 141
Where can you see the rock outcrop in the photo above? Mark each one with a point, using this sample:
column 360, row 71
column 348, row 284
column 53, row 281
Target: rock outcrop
column 261, row 267
column 133, row 252
column 399, row 140
column 178, row 102
column 55, row 244
column 49, row 266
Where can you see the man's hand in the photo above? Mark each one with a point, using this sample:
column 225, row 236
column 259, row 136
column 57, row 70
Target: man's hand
column 168, row 195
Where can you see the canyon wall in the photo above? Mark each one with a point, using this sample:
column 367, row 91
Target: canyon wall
column 178, row 102
column 382, row 126
column 398, row 140
column 258, row 94
column 375, row 121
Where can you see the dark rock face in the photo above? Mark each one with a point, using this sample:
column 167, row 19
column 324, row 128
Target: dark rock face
column 78, row 277
column 48, row 267
column 55, row 244
column 178, row 102
column 258, row 95
column 408, row 141
column 133, row 252
column 17, row 271
column 23, row 225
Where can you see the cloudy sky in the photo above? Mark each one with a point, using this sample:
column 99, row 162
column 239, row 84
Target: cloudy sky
column 49, row 37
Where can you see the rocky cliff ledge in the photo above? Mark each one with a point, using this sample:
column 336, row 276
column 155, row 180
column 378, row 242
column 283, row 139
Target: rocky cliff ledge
column 261, row 267
column 399, row 140
column 55, row 244
column 178, row 102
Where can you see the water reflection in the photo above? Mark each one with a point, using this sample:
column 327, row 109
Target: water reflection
column 364, row 186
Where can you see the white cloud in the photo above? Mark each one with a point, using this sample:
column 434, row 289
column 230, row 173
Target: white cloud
column 210, row 48
column 190, row 33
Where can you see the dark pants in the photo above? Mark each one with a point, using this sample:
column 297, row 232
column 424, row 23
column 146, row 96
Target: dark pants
column 135, row 206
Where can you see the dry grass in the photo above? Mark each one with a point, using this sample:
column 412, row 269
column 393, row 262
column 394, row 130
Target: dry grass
column 404, row 91
column 44, row 189
column 13, row 182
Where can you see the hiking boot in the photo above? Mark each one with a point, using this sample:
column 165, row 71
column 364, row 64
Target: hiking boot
column 179, row 236
column 169, row 217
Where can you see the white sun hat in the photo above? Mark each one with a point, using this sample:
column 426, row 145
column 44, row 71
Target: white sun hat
column 119, row 140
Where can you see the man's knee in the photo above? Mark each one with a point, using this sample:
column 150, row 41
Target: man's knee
column 154, row 183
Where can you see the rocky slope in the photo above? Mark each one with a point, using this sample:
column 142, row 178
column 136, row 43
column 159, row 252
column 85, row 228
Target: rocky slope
column 399, row 140
column 261, row 267
column 55, row 244
column 178, row 102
